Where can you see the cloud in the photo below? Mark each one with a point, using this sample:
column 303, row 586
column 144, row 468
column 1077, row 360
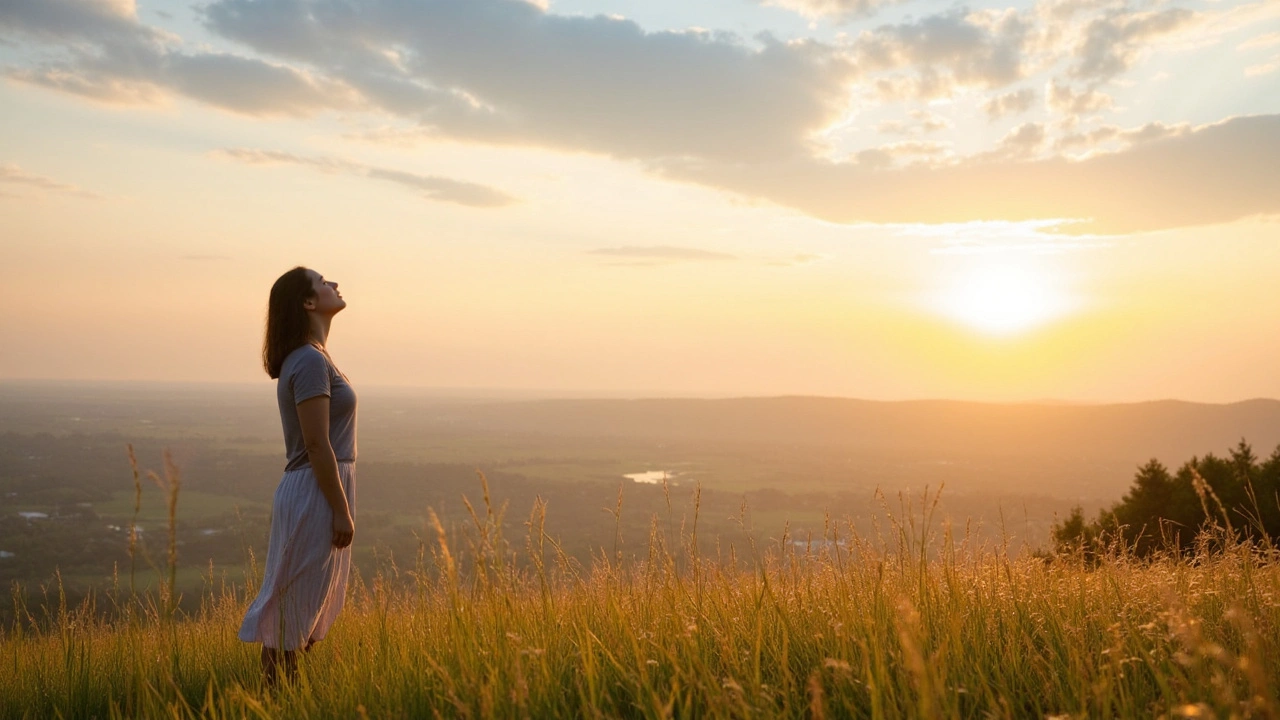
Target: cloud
column 1010, row 103
column 1087, row 140
column 432, row 187
column 894, row 127
column 927, row 84
column 403, row 137
column 958, row 47
column 251, row 87
column 710, row 107
column 912, row 148
column 840, row 10
column 1063, row 99
column 901, row 153
column 1112, row 43
column 924, row 123
column 1263, row 68
column 1260, row 42
column 1123, row 137
column 14, row 177
column 1019, row 144
column 1153, row 131
column 110, row 56
column 112, row 22
column 91, row 84
column 1022, row 142
column 1212, row 174
column 1264, row 40
column 660, row 253
column 928, row 122
column 997, row 237
column 1050, row 245
column 503, row 71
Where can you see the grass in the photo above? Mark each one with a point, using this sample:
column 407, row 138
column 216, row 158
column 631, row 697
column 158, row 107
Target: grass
column 908, row 623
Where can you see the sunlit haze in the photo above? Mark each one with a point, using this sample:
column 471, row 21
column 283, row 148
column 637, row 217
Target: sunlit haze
column 997, row 201
column 1003, row 298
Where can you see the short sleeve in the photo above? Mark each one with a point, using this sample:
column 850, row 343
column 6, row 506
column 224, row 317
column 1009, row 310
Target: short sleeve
column 310, row 377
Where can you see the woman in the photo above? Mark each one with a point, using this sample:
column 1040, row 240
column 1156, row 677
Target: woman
column 312, row 525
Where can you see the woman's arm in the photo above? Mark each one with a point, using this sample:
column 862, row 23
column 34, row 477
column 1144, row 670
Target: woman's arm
column 313, row 415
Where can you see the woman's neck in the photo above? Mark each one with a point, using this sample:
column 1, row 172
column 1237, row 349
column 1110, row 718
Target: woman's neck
column 320, row 328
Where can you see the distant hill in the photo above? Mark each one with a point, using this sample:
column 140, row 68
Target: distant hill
column 1079, row 453
column 1170, row 430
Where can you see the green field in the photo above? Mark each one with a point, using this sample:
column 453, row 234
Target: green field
column 906, row 625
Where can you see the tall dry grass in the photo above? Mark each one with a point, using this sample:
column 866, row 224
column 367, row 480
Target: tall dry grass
column 170, row 483
column 909, row 623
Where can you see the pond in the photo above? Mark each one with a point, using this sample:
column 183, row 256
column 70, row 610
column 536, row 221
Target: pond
column 652, row 477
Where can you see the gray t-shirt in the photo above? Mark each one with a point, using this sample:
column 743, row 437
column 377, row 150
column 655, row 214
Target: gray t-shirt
column 305, row 374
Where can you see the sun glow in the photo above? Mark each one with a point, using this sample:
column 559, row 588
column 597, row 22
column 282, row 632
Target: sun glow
column 1003, row 298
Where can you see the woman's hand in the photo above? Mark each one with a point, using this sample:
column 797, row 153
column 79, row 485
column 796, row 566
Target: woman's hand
column 344, row 529
column 313, row 417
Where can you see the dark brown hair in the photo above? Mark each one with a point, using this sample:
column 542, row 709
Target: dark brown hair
column 288, row 327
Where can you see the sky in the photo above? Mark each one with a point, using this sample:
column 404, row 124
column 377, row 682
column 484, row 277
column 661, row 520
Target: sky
column 1073, row 200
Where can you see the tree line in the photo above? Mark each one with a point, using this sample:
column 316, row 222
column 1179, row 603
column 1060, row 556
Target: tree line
column 1167, row 511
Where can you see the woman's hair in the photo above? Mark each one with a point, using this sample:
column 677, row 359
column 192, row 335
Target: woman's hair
column 288, row 327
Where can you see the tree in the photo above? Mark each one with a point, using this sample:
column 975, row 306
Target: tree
column 1073, row 534
column 1139, row 513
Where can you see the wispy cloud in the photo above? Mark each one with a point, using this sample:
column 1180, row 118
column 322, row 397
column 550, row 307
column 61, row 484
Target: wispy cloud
column 660, row 254
column 839, row 10
column 1036, row 237
column 432, row 187
column 1265, row 40
column 1263, row 68
column 16, row 178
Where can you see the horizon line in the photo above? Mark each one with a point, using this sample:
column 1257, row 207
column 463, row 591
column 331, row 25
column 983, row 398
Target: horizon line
column 518, row 394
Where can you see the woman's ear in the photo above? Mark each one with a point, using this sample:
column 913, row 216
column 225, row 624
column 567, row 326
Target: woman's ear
column 309, row 303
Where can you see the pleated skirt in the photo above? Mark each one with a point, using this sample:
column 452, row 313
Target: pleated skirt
column 305, row 581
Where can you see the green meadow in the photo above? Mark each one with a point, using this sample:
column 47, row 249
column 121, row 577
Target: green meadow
column 910, row 621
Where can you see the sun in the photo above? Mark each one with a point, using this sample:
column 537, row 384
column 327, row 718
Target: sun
column 1003, row 298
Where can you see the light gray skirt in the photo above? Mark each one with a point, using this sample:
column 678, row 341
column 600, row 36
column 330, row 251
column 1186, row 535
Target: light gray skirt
column 306, row 577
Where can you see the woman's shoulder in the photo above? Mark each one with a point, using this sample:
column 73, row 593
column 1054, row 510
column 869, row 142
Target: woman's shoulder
column 303, row 356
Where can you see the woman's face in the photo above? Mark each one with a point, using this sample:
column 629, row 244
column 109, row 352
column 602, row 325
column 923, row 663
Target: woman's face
column 327, row 300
